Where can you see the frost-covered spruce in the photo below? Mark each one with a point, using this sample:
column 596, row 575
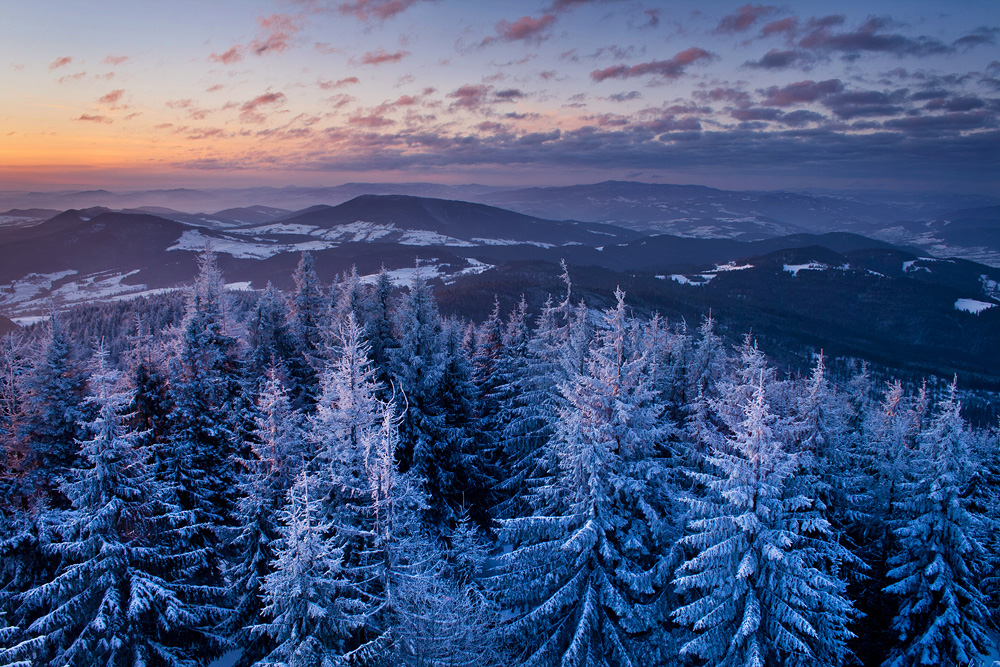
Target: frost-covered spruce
column 411, row 603
column 265, row 476
column 756, row 597
column 304, row 618
column 583, row 574
column 419, row 364
column 307, row 313
column 115, row 599
column 347, row 413
column 205, row 423
column 941, row 618
column 272, row 345
column 51, row 411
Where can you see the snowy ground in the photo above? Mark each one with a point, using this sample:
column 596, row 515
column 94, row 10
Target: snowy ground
column 973, row 306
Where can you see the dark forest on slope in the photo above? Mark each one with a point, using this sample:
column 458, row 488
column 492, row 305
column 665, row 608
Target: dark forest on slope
column 340, row 475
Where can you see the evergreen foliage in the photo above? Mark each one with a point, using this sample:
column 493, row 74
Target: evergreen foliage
column 114, row 599
column 942, row 617
column 349, row 478
column 757, row 596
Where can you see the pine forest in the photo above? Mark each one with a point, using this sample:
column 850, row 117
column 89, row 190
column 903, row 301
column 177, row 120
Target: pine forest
column 340, row 475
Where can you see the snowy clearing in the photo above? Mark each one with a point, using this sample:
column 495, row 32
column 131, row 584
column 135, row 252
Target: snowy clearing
column 685, row 280
column 194, row 241
column 973, row 306
column 811, row 266
column 731, row 266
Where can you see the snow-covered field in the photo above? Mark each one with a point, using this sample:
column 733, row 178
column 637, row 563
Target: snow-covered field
column 973, row 306
column 811, row 266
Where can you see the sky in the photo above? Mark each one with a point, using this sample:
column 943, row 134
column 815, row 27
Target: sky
column 130, row 94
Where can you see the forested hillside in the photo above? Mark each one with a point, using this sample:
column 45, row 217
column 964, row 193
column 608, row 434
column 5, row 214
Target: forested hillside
column 341, row 476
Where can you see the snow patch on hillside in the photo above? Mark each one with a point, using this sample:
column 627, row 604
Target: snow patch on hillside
column 972, row 305
column 425, row 237
column 278, row 228
column 18, row 221
column 358, row 231
column 731, row 266
column 30, row 287
column 698, row 280
column 811, row 266
column 194, row 241
column 37, row 292
column 403, row 277
column 991, row 288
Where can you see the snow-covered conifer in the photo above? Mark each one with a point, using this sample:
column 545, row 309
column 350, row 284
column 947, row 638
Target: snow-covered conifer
column 585, row 570
column 51, row 410
column 206, row 421
column 942, row 618
column 114, row 599
column 305, row 620
column 264, row 479
column 307, row 314
column 756, row 597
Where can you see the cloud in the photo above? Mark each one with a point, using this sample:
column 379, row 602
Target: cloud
column 326, row 48
column 870, row 37
column 60, row 62
column 743, row 18
column 723, row 94
column 233, row 55
column 470, row 96
column 978, row 37
column 863, row 103
column 375, row 10
column 370, row 121
column 339, row 83
column 277, row 31
column 187, row 104
column 214, row 89
column 950, row 123
column 965, row 103
column 759, row 113
column 786, row 26
column 114, row 60
column 340, row 101
column 404, row 101
column 381, row 56
column 509, row 95
column 524, row 29
column 801, row 117
column 625, row 97
column 112, row 99
column 670, row 69
column 802, row 92
column 72, row 77
column 776, row 59
column 95, row 118
column 250, row 111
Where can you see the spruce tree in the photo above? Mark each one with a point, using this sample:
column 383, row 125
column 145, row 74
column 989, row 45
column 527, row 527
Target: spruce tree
column 205, row 426
column 51, row 411
column 942, row 617
column 756, row 596
column 418, row 366
column 584, row 575
column 308, row 313
column 265, row 476
column 114, row 599
column 302, row 593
